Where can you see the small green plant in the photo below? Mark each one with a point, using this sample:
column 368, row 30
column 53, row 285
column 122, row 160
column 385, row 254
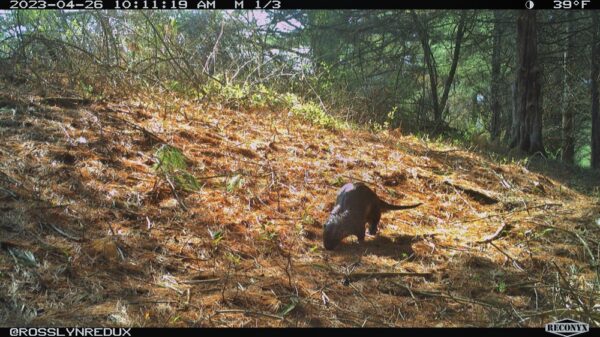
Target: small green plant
column 216, row 237
column 286, row 101
column 392, row 193
column 338, row 181
column 234, row 183
column 222, row 91
column 290, row 306
column 501, row 286
column 544, row 232
column 307, row 219
column 171, row 164
column 233, row 258
column 267, row 233
column 262, row 96
column 174, row 85
column 387, row 123
column 313, row 113
column 86, row 89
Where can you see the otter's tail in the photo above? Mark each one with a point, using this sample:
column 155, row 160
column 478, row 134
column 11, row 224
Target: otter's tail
column 389, row 207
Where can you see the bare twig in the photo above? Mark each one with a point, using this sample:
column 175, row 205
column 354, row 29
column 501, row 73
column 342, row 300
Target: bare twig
column 509, row 212
column 357, row 276
column 248, row 312
column 585, row 245
column 201, row 281
column 61, row 232
column 508, row 256
column 172, row 186
column 493, row 236
column 485, row 197
column 573, row 292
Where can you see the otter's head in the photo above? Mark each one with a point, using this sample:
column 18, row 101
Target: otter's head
column 334, row 230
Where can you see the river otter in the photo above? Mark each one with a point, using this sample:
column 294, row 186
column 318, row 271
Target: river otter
column 356, row 204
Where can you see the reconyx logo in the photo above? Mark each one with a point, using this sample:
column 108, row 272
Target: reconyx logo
column 567, row 327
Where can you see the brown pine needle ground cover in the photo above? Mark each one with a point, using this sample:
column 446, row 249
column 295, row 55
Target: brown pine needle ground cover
column 91, row 234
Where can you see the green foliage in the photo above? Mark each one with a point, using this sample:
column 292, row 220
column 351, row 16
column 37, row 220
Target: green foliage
column 583, row 156
column 267, row 233
column 392, row 193
column 313, row 113
column 338, row 181
column 290, row 306
column 287, row 100
column 169, row 159
column 307, row 219
column 351, row 60
column 86, row 89
column 544, row 232
column 216, row 237
column 501, row 286
column 171, row 164
column 234, row 183
column 259, row 96
column 215, row 91
column 262, row 97
column 235, row 259
column 387, row 123
column 178, row 86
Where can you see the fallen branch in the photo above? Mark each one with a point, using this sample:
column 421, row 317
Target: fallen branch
column 443, row 295
column 247, row 312
column 573, row 292
column 60, row 231
column 493, row 236
column 508, row 256
column 168, row 286
column 137, row 127
column 357, row 276
column 478, row 194
column 66, row 102
column 201, row 281
column 509, row 212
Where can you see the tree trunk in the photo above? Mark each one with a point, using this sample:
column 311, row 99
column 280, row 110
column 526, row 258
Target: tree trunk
column 528, row 129
column 495, row 81
column 514, row 121
column 595, row 77
column 460, row 33
column 439, row 105
column 568, row 111
column 430, row 63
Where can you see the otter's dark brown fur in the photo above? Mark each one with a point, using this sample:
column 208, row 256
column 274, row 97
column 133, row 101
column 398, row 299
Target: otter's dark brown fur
column 356, row 204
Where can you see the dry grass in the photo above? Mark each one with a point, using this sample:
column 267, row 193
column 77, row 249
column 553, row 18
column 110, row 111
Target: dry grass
column 113, row 247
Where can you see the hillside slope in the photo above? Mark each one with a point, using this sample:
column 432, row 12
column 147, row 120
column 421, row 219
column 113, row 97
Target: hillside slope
column 92, row 235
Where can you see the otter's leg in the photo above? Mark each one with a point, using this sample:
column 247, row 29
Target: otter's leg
column 361, row 235
column 374, row 218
